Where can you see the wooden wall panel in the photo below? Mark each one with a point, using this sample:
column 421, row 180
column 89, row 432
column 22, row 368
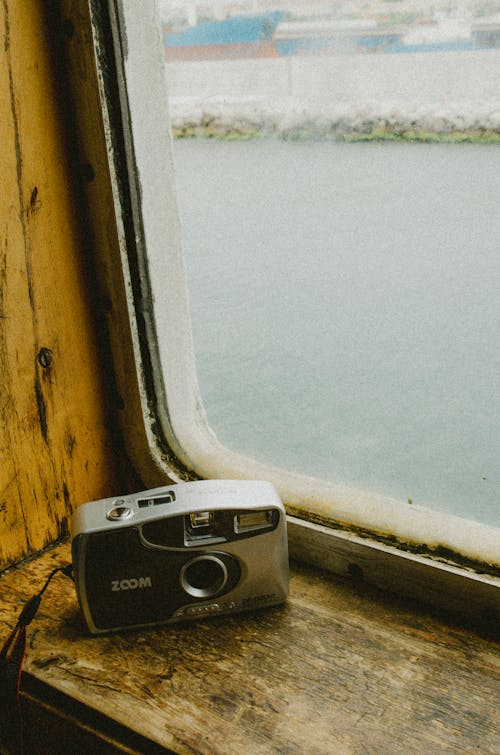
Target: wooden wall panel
column 57, row 440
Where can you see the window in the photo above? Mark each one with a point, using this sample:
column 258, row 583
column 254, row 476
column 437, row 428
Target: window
column 393, row 298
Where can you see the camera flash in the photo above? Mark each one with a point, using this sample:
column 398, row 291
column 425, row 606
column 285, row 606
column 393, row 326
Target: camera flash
column 252, row 520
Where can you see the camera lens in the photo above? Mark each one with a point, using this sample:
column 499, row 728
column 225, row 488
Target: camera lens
column 203, row 576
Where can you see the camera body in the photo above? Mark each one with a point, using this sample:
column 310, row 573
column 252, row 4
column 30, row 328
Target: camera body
column 179, row 552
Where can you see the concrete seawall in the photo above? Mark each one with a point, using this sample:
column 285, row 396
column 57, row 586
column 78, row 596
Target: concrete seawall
column 433, row 92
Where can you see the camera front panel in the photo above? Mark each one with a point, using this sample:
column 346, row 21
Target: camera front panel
column 129, row 585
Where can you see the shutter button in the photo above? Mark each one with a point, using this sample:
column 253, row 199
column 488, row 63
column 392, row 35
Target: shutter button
column 118, row 513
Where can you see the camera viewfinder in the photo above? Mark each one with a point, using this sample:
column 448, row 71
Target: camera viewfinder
column 202, row 526
column 201, row 519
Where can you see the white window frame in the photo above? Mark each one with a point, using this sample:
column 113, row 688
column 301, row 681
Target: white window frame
column 441, row 559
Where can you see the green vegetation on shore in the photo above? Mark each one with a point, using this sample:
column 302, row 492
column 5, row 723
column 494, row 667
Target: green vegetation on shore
column 306, row 133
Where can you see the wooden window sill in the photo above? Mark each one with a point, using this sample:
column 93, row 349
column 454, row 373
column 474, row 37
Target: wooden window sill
column 338, row 669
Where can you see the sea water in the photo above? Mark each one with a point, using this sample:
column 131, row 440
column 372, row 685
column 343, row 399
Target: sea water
column 346, row 310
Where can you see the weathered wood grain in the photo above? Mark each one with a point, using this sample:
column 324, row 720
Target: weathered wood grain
column 57, row 446
column 336, row 670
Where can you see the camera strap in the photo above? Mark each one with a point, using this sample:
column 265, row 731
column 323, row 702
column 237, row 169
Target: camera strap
column 12, row 657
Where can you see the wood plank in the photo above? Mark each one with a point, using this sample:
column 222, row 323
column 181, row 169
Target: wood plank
column 338, row 669
column 57, row 444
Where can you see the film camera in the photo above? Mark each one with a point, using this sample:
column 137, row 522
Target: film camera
column 180, row 552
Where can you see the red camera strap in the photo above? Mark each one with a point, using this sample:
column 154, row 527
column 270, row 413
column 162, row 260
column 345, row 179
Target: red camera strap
column 12, row 657
column 11, row 666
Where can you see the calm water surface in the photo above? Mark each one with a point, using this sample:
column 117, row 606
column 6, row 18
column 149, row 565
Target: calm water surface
column 345, row 304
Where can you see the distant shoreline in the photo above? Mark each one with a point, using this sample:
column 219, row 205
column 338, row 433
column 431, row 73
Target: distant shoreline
column 426, row 97
column 332, row 119
column 311, row 134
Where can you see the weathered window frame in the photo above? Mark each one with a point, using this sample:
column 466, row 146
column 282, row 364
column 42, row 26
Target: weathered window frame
column 427, row 555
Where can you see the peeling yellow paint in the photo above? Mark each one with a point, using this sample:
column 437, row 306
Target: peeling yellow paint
column 56, row 439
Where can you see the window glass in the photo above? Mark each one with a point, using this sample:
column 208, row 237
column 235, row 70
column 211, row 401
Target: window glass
column 338, row 175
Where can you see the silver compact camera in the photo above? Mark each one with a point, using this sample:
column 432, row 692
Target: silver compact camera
column 180, row 552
